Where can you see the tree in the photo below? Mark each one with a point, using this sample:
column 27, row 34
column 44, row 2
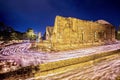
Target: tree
column 13, row 36
column 6, row 32
column 118, row 33
column 30, row 34
column 1, row 38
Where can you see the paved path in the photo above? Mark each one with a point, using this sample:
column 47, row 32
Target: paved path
column 21, row 54
column 24, row 57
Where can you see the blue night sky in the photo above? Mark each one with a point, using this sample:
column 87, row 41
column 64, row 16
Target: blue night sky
column 37, row 14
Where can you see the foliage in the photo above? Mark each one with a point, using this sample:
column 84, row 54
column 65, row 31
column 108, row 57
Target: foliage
column 13, row 36
column 8, row 33
column 30, row 34
column 118, row 35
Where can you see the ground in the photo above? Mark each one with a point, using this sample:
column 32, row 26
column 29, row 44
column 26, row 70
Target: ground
column 16, row 56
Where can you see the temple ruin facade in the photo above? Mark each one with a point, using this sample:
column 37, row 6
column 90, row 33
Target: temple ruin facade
column 74, row 32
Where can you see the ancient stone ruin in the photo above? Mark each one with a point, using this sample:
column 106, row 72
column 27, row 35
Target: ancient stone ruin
column 49, row 31
column 72, row 32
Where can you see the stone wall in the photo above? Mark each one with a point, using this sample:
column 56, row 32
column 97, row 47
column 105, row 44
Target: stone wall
column 49, row 31
column 71, row 31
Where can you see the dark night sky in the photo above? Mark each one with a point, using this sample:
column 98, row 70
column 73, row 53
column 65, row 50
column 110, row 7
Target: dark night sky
column 37, row 14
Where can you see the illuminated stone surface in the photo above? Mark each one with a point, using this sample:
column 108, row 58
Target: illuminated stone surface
column 49, row 31
column 73, row 32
